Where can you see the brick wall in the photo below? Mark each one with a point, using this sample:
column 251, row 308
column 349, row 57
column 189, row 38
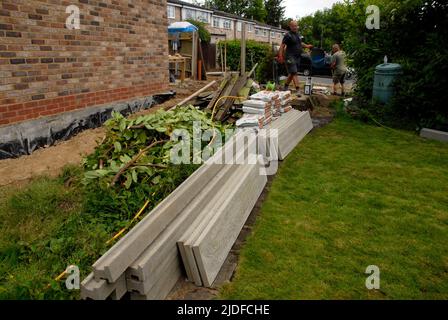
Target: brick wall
column 119, row 53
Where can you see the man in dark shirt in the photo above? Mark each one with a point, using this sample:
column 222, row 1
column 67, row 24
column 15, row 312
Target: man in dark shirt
column 291, row 52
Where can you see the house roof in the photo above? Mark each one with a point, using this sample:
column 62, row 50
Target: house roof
column 224, row 14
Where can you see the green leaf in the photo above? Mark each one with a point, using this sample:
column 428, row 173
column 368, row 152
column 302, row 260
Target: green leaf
column 156, row 180
column 117, row 146
column 134, row 176
column 128, row 182
column 125, row 158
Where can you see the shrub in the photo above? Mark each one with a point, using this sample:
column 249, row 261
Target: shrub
column 256, row 52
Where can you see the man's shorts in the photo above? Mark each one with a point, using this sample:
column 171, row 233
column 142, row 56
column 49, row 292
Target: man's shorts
column 293, row 64
column 339, row 78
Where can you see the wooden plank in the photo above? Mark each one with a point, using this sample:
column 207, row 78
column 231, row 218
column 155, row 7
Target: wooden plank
column 218, row 94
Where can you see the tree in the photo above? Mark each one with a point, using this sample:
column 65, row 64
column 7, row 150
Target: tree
column 237, row 7
column 276, row 12
column 256, row 10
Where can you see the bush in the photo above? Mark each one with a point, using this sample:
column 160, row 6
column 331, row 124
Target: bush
column 411, row 35
column 256, row 52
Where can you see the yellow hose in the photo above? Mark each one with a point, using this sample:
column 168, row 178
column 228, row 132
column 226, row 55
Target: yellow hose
column 132, row 221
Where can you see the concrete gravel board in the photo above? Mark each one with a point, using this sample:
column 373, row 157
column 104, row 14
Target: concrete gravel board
column 164, row 285
column 101, row 290
column 434, row 134
column 204, row 217
column 115, row 261
column 147, row 267
column 213, row 245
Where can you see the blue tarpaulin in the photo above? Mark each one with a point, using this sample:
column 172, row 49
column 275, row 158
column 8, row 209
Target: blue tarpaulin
column 177, row 27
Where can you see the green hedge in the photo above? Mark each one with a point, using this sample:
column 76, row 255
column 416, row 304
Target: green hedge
column 256, row 52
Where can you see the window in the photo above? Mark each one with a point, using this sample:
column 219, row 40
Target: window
column 189, row 14
column 196, row 15
column 239, row 26
column 250, row 28
column 203, row 16
column 265, row 33
column 215, row 22
column 257, row 31
column 171, row 12
column 227, row 24
column 272, row 34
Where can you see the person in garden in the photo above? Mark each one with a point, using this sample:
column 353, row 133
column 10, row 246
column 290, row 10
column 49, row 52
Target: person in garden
column 291, row 52
column 339, row 68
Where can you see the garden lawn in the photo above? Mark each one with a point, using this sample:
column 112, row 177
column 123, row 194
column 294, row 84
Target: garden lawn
column 349, row 196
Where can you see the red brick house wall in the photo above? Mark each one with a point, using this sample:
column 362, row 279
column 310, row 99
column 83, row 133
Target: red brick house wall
column 119, row 53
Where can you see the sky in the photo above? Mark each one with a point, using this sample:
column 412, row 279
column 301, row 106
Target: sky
column 303, row 8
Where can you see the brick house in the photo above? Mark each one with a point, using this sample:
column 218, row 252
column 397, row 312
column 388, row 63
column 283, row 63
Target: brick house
column 222, row 25
column 119, row 53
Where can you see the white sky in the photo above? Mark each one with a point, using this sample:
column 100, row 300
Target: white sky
column 303, row 8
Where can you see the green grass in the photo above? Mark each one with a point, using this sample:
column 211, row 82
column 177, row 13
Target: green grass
column 42, row 231
column 351, row 195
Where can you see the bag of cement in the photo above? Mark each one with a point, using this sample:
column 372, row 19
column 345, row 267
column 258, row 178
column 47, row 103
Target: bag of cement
column 251, row 110
column 251, row 120
column 286, row 109
column 256, row 104
column 284, row 95
column 266, row 96
column 285, row 102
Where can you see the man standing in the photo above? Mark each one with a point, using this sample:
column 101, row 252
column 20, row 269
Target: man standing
column 339, row 68
column 291, row 52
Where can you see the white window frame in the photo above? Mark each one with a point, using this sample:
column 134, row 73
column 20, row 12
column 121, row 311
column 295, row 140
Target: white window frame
column 239, row 26
column 171, row 9
column 250, row 27
column 216, row 22
column 227, row 24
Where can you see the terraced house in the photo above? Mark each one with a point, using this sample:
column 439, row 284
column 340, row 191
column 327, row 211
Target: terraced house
column 222, row 25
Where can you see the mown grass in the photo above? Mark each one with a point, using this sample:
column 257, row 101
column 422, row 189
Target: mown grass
column 349, row 196
column 42, row 231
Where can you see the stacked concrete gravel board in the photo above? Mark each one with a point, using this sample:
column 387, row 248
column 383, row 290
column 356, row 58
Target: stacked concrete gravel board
column 115, row 261
column 102, row 290
column 292, row 128
column 147, row 269
column 220, row 229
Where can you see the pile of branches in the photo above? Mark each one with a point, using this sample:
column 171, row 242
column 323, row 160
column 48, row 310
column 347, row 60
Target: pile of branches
column 133, row 165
